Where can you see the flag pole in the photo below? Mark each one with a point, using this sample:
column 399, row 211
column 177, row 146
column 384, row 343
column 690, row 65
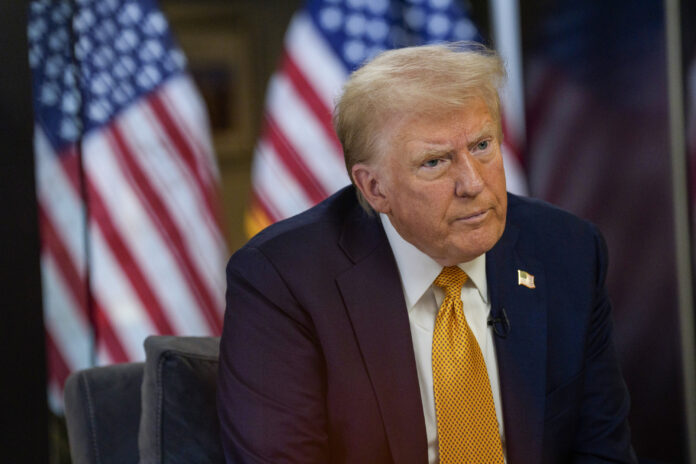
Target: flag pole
column 681, row 217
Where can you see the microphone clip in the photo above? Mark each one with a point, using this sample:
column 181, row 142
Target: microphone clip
column 501, row 324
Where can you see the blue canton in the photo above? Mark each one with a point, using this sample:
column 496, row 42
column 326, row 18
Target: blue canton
column 90, row 59
column 357, row 30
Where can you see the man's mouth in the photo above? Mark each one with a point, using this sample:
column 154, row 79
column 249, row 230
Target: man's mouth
column 474, row 218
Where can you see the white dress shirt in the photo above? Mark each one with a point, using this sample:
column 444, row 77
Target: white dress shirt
column 418, row 272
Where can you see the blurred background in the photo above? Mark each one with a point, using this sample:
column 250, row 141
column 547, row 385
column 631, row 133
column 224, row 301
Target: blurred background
column 147, row 141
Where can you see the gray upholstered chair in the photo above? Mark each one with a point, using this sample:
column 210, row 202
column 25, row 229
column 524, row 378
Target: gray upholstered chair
column 159, row 411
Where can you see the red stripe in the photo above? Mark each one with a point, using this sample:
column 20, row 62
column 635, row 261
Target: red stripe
column 168, row 230
column 542, row 101
column 311, row 98
column 512, row 147
column 99, row 214
column 208, row 188
column 206, row 155
column 52, row 244
column 58, row 369
column 257, row 200
column 108, row 337
column 293, row 162
column 76, row 285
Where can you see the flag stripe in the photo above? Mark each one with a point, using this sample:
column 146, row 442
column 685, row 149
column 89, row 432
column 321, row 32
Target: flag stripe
column 323, row 70
column 210, row 209
column 76, row 285
column 291, row 160
column 305, row 134
column 58, row 367
column 122, row 253
column 195, row 128
column 52, row 244
column 59, row 199
column 62, row 317
column 61, row 203
column 99, row 213
column 188, row 111
column 166, row 227
column 322, row 113
column 263, row 206
column 187, row 154
column 281, row 193
column 107, row 338
column 185, row 113
column 131, row 234
column 540, row 85
column 512, row 148
column 171, row 180
column 120, row 302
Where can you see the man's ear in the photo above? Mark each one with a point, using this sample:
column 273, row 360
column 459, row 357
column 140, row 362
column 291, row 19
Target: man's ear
column 369, row 179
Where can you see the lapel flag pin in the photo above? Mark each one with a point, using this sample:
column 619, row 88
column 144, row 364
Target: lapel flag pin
column 525, row 278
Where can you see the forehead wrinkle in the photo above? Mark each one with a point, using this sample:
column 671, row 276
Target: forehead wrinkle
column 425, row 147
column 434, row 146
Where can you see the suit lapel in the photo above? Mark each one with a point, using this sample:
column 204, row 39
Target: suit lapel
column 522, row 353
column 373, row 296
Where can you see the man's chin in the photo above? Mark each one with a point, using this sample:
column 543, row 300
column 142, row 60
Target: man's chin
column 466, row 252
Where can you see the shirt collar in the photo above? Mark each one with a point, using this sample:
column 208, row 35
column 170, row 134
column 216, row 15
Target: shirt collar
column 418, row 270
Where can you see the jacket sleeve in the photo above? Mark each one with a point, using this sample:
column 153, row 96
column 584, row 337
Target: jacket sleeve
column 271, row 380
column 603, row 433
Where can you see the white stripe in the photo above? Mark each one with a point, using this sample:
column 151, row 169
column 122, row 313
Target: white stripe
column 506, row 30
column 305, row 135
column 102, row 357
column 207, row 251
column 515, row 182
column 63, row 319
column 158, row 133
column 59, row 200
column 309, row 50
column 280, row 190
column 64, row 211
column 55, row 397
column 125, row 312
column 141, row 236
column 187, row 109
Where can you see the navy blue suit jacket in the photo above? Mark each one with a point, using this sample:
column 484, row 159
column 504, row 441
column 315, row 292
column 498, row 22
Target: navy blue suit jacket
column 317, row 363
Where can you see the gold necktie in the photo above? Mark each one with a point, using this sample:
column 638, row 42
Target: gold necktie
column 467, row 428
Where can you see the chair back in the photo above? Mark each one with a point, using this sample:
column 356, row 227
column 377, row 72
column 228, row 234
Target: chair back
column 160, row 411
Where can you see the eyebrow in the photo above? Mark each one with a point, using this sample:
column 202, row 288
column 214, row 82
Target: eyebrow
column 488, row 129
column 436, row 146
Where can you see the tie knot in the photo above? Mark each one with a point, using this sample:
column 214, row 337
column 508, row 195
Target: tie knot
column 451, row 279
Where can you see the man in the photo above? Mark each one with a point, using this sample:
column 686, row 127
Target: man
column 423, row 314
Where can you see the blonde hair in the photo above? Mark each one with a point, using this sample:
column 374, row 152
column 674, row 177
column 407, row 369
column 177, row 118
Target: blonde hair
column 409, row 81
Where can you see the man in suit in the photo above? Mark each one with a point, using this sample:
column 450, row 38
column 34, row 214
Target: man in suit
column 422, row 314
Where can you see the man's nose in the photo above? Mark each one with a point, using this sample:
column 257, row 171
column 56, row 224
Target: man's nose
column 468, row 181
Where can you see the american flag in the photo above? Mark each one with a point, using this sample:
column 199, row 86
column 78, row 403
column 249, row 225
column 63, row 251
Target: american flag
column 298, row 159
column 127, row 185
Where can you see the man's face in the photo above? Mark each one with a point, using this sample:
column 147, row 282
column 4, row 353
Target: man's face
column 441, row 183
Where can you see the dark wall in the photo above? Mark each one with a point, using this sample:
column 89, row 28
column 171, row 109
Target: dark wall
column 23, row 386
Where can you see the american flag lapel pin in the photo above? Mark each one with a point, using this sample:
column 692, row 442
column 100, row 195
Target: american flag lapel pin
column 525, row 278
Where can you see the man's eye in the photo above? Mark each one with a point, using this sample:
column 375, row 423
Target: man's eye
column 482, row 145
column 431, row 163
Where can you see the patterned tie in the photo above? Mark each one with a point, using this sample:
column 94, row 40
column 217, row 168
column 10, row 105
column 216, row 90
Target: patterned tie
column 466, row 424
